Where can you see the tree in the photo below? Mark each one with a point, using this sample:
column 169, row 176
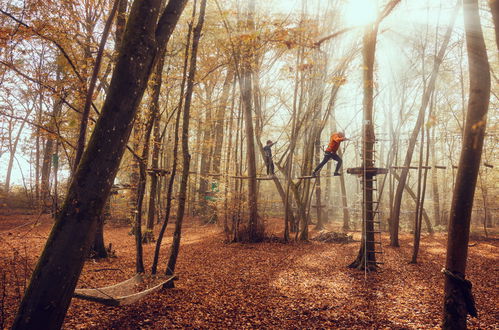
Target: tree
column 186, row 157
column 245, row 83
column 394, row 217
column 458, row 301
column 366, row 258
column 49, row 293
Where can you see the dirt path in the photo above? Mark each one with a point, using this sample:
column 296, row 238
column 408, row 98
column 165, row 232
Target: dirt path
column 273, row 285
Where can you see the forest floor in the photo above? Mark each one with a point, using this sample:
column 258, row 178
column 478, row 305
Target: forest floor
column 264, row 285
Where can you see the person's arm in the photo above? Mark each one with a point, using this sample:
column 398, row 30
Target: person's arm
column 338, row 138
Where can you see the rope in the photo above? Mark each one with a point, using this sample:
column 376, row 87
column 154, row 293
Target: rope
column 465, row 287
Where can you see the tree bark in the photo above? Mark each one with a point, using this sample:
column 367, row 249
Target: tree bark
column 52, row 284
column 456, row 298
column 153, row 192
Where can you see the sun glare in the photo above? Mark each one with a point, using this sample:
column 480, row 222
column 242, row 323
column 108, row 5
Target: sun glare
column 360, row 12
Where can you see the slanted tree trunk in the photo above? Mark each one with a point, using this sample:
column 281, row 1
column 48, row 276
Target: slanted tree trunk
column 394, row 217
column 414, row 198
column 457, row 296
column 52, row 284
column 186, row 157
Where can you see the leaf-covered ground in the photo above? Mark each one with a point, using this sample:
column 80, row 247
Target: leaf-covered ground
column 265, row 285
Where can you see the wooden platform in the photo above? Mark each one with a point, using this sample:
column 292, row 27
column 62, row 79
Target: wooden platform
column 410, row 167
column 257, row 178
column 308, row 177
column 368, row 170
column 157, row 171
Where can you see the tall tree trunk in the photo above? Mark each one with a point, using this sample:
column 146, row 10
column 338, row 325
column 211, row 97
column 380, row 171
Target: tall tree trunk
column 457, row 296
column 152, row 122
column 366, row 258
column 205, row 164
column 422, row 189
column 143, row 162
column 219, row 121
column 171, row 181
column 154, row 192
column 186, row 157
column 44, row 304
column 394, row 217
column 254, row 229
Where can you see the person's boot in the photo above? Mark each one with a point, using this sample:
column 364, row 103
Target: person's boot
column 336, row 174
column 314, row 174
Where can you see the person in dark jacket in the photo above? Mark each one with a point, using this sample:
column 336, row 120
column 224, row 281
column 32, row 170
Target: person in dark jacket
column 268, row 157
column 331, row 153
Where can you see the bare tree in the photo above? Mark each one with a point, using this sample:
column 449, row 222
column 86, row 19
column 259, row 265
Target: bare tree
column 394, row 217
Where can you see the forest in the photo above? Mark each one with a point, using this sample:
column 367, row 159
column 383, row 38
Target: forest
column 231, row 164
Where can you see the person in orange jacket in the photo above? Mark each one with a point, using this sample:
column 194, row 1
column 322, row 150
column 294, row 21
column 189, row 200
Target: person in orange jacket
column 332, row 148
